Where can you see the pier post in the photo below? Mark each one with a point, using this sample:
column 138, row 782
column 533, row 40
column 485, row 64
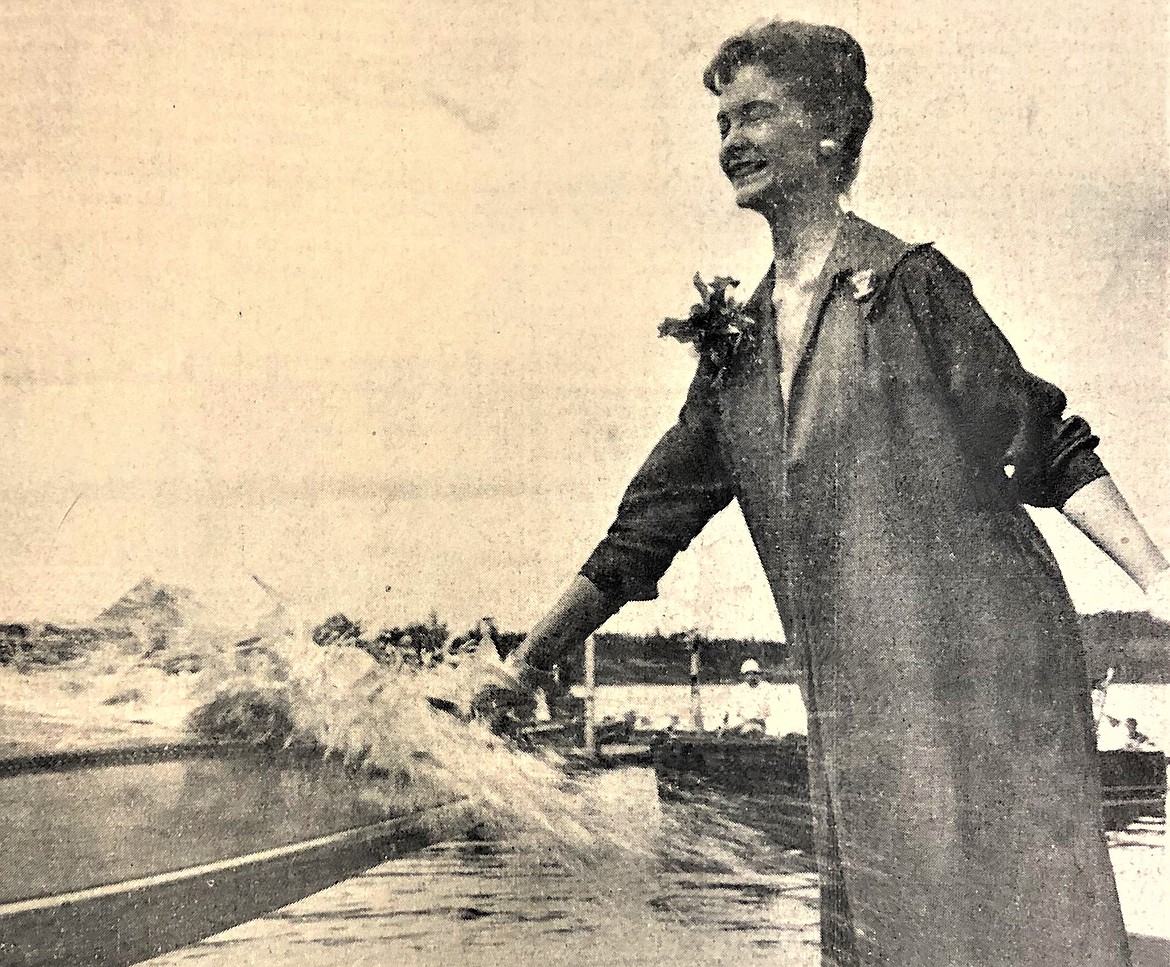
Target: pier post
column 696, row 698
column 590, row 698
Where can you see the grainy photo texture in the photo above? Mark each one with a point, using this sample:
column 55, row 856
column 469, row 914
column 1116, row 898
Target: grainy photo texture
column 584, row 484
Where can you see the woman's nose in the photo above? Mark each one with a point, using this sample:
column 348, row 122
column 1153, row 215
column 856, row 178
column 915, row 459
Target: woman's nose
column 732, row 135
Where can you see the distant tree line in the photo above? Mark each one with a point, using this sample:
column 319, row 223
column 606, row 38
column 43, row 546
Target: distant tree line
column 660, row 659
column 50, row 644
column 424, row 643
column 1135, row 645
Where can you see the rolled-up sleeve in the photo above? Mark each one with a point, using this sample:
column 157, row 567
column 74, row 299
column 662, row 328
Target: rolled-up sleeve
column 1009, row 418
column 681, row 486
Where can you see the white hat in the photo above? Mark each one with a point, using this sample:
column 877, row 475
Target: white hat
column 751, row 665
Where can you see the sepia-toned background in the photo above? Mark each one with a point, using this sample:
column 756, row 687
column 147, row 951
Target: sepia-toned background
column 362, row 298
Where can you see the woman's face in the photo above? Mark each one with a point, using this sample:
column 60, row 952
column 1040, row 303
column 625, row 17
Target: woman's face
column 769, row 147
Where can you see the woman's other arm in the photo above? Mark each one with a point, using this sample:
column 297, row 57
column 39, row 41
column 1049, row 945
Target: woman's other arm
column 1103, row 515
column 1053, row 456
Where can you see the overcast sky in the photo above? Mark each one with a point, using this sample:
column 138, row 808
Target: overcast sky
column 362, row 298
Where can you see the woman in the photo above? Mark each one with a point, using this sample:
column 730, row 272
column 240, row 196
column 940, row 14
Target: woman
column 882, row 438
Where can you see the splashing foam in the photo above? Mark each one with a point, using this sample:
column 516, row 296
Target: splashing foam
column 282, row 690
column 287, row 691
column 606, row 833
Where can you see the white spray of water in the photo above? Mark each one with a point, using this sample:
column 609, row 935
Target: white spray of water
column 287, row 690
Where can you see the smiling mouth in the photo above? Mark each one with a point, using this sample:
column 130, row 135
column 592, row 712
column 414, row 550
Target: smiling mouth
column 742, row 170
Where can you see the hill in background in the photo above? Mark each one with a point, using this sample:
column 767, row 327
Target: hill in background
column 156, row 608
column 1135, row 645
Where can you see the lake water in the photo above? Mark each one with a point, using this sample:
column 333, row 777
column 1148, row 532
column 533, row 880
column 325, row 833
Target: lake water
column 709, row 892
column 693, row 889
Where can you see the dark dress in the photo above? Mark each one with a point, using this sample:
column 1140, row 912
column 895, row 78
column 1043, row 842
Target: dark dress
column 952, row 757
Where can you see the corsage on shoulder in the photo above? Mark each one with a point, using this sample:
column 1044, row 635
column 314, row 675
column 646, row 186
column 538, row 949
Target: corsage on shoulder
column 718, row 327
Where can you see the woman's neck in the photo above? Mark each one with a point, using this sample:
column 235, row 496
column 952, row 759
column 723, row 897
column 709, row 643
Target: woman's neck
column 802, row 237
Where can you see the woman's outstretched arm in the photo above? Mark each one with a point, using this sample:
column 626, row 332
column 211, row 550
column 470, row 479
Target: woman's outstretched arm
column 682, row 484
column 581, row 610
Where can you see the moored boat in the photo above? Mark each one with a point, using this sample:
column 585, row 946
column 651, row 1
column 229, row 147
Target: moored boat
column 763, row 781
column 116, row 855
column 1133, row 785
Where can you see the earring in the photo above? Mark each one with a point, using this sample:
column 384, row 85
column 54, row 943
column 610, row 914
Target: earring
column 828, row 146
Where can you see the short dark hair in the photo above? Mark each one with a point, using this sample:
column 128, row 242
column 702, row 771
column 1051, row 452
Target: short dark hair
column 822, row 67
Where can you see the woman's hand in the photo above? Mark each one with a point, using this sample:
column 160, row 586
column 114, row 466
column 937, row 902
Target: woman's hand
column 1158, row 596
column 491, row 684
column 479, row 684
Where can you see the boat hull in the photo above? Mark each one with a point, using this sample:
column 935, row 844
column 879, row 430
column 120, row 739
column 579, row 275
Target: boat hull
column 116, row 856
column 763, row 782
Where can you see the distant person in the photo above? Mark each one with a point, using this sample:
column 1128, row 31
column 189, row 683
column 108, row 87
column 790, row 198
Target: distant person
column 751, row 702
column 1136, row 741
column 1100, row 694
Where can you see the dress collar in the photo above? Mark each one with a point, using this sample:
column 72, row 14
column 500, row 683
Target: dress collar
column 860, row 249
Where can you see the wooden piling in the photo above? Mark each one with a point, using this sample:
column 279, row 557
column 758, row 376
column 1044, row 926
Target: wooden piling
column 590, row 698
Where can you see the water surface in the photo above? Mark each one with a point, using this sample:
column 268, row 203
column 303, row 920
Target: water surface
column 710, row 892
column 690, row 887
